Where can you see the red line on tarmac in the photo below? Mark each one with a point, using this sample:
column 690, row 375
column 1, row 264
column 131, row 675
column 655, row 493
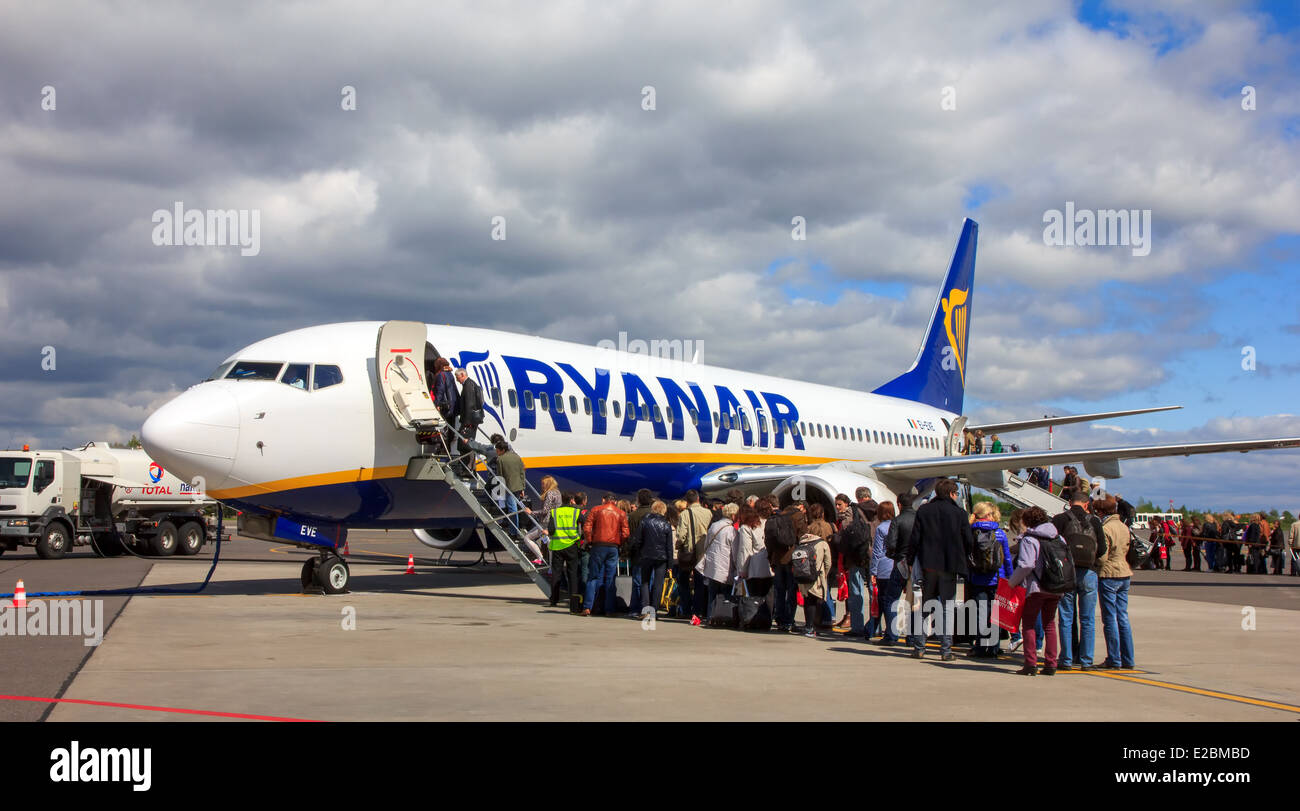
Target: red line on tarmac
column 154, row 709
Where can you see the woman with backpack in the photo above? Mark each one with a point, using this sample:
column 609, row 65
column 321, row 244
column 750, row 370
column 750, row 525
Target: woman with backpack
column 811, row 563
column 1114, row 578
column 983, row 585
column 1038, row 602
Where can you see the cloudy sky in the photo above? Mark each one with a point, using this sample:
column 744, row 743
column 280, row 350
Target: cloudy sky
column 672, row 222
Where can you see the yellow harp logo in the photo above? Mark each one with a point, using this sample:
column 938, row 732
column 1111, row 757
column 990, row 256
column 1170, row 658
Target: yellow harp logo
column 955, row 323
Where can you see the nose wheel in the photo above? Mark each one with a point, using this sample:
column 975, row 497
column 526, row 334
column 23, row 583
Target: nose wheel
column 329, row 573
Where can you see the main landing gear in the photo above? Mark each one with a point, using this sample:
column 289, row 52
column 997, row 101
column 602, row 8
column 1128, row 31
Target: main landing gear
column 327, row 572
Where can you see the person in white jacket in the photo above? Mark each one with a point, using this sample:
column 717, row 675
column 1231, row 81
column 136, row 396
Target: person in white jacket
column 750, row 553
column 716, row 565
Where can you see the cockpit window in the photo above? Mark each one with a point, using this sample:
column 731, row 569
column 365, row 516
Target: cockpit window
column 327, row 376
column 220, row 371
column 254, row 370
column 296, row 374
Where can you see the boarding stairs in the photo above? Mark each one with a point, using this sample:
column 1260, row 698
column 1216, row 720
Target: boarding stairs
column 477, row 493
column 1023, row 494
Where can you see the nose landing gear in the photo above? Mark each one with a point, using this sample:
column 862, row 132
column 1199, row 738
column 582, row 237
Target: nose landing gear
column 327, row 572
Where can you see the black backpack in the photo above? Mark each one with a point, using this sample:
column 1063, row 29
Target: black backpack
column 986, row 554
column 1056, row 566
column 857, row 540
column 803, row 561
column 1082, row 543
column 779, row 531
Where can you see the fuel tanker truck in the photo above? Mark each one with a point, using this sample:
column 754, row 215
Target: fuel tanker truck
column 109, row 498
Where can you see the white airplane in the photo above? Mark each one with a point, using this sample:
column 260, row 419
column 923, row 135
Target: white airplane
column 314, row 428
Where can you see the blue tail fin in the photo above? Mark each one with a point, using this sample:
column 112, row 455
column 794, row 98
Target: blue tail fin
column 938, row 375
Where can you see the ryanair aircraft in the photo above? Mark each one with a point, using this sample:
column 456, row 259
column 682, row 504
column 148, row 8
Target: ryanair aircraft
column 314, row 428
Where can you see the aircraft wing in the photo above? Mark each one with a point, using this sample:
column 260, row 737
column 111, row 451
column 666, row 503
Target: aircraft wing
column 1098, row 461
column 1025, row 425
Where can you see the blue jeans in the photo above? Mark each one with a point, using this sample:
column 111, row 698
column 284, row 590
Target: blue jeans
column 603, row 569
column 651, row 573
column 857, row 601
column 890, row 591
column 510, row 504
column 1114, row 621
column 635, row 607
column 784, row 589
column 1085, row 596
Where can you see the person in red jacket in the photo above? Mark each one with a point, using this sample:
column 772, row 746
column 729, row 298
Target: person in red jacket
column 606, row 529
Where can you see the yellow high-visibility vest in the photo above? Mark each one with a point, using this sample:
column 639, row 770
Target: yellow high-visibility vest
column 566, row 527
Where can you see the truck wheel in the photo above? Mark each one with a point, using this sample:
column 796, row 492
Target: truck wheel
column 332, row 576
column 192, row 536
column 165, row 542
column 54, row 541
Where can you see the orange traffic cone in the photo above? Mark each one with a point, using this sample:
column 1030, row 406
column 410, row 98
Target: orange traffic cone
column 410, row 564
column 20, row 595
column 345, row 548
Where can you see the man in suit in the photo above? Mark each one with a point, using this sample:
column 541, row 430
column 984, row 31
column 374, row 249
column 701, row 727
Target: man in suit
column 470, row 413
column 941, row 540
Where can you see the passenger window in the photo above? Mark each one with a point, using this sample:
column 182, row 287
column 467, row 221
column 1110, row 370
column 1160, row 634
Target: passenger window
column 44, row 475
column 726, row 422
column 254, row 370
column 616, row 407
column 496, row 397
column 695, row 417
column 545, row 400
column 326, row 376
column 514, row 401
column 586, row 405
column 658, row 415
column 715, row 419
column 668, row 415
column 296, row 374
column 600, row 406
column 559, row 404
column 744, row 421
column 528, row 401
column 835, row 431
column 631, row 410
column 762, row 424
column 573, row 404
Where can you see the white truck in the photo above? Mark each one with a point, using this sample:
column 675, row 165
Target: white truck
column 102, row 496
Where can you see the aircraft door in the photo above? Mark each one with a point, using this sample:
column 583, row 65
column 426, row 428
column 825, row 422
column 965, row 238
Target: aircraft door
column 400, row 373
column 952, row 442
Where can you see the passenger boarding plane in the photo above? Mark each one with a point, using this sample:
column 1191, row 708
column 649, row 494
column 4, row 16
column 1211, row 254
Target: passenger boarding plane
column 314, row 427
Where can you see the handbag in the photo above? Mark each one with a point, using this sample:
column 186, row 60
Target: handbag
column 875, row 600
column 1009, row 606
column 842, row 591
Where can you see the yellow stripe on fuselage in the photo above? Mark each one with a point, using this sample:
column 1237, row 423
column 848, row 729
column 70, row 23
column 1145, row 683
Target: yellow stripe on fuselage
column 546, row 462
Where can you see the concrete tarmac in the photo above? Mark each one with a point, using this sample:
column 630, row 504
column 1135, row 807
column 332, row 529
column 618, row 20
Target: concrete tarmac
column 481, row 644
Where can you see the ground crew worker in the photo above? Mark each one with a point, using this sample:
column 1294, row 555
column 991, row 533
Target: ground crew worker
column 565, row 531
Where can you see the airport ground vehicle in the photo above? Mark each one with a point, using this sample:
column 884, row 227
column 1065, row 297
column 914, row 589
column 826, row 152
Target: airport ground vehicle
column 106, row 497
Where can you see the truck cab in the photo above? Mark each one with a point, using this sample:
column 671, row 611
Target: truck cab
column 35, row 500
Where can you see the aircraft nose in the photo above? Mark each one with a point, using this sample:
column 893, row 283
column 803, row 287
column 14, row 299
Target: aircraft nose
column 195, row 434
